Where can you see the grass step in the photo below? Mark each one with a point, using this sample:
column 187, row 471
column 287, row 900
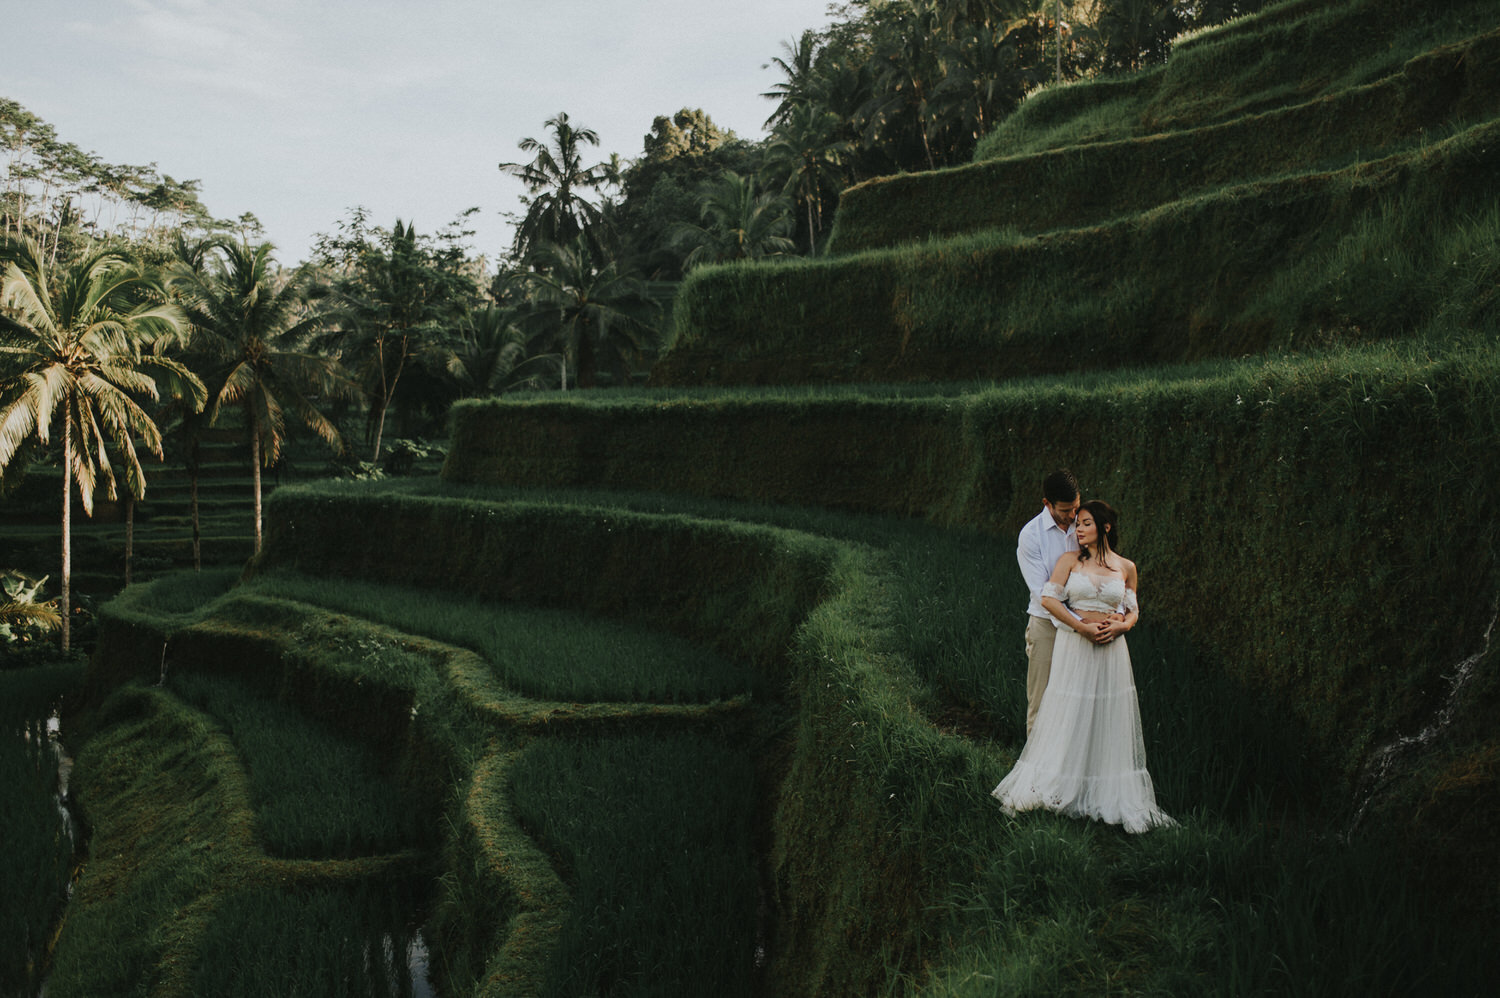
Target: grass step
column 1402, row 246
column 1094, row 181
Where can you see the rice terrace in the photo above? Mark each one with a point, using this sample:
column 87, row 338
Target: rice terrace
column 676, row 653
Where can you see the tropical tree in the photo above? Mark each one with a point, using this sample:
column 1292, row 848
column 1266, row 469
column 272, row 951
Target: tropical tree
column 494, row 355
column 588, row 307
column 400, row 301
column 800, row 87
column 192, row 256
column 254, row 322
column 556, row 181
column 737, row 222
column 907, row 72
column 659, row 188
column 22, row 610
column 807, row 149
column 78, row 343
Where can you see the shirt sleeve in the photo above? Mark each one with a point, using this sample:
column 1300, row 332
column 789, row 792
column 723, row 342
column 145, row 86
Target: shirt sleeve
column 1034, row 568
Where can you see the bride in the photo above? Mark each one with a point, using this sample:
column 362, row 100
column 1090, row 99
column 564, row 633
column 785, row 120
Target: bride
column 1086, row 756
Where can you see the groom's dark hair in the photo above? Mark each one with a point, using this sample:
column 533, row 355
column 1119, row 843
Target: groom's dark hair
column 1060, row 486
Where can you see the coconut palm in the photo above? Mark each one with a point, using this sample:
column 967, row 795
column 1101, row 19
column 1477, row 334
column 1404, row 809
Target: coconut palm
column 253, row 321
column 799, row 66
column 192, row 256
column 79, row 341
column 589, row 306
column 739, row 222
column 907, row 70
column 556, row 210
column 494, row 355
column 807, row 148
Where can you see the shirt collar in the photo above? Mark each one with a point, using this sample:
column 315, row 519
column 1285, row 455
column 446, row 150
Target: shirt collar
column 1050, row 524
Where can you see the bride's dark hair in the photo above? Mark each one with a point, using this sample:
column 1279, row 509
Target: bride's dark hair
column 1107, row 522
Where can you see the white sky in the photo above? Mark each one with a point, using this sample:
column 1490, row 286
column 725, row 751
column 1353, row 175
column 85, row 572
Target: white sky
column 298, row 110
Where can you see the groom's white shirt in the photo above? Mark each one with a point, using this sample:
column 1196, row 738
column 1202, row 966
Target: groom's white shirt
column 1041, row 543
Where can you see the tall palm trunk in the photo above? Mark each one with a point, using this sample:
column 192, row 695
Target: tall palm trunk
column 255, row 467
column 193, row 503
column 67, row 514
column 129, row 531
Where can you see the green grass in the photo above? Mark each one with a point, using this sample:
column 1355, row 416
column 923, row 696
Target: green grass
column 160, row 789
column 1257, row 892
column 328, row 942
column 1069, row 908
column 315, row 794
column 654, row 833
column 1132, row 107
column 546, row 654
column 1183, row 280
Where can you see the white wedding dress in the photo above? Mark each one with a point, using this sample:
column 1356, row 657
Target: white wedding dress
column 1086, row 756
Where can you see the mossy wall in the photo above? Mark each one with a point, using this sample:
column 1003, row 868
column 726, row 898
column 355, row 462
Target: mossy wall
column 1306, row 521
column 735, row 588
column 897, row 457
column 1182, row 282
column 1086, row 184
column 846, row 691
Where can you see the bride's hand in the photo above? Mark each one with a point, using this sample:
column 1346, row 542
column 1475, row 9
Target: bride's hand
column 1109, row 630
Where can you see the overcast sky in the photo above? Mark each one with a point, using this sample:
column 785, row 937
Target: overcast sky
column 298, row 110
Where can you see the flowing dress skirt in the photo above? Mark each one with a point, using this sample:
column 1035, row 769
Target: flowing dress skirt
column 1086, row 756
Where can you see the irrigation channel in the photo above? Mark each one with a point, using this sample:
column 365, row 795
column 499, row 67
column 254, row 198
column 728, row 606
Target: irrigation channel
column 43, row 843
column 46, row 847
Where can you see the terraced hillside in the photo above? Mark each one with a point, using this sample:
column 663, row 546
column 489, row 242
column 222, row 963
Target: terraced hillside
column 1250, row 298
column 1321, row 177
column 162, row 532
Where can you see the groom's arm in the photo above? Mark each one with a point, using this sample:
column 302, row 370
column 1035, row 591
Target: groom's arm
column 1033, row 568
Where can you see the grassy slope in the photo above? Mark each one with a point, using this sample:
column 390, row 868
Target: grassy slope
column 899, row 719
column 1296, row 181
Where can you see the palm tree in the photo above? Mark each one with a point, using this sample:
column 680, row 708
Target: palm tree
column 254, row 323
column 739, row 223
column 78, row 338
column 806, row 148
column 985, row 80
column 589, row 307
column 799, row 66
column 907, row 72
column 193, row 257
column 556, row 211
column 494, row 355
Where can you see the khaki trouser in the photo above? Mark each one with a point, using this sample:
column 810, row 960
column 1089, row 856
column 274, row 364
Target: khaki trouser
column 1041, row 634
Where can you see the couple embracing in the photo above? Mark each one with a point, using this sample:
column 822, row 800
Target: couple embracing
column 1085, row 755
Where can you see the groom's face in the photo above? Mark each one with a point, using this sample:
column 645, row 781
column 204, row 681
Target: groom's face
column 1063, row 512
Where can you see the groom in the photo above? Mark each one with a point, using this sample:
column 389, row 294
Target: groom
column 1044, row 540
